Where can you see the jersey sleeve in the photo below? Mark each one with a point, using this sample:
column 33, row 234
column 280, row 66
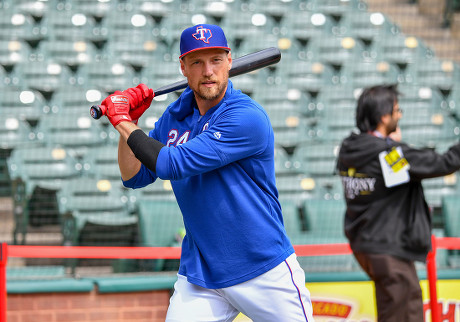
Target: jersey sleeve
column 427, row 163
column 235, row 134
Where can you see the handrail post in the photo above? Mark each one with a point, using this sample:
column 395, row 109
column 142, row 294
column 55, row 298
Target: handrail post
column 3, row 262
column 432, row 281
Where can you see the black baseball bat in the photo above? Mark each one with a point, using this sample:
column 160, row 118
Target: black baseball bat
column 241, row 65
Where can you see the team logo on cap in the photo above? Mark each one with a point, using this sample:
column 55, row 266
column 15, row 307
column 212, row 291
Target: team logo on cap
column 202, row 34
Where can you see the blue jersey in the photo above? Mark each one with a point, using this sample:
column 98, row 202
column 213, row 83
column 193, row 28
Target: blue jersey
column 221, row 167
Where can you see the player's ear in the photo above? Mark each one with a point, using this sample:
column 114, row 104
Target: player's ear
column 229, row 56
column 182, row 67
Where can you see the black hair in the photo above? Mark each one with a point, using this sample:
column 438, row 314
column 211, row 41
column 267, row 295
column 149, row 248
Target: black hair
column 373, row 103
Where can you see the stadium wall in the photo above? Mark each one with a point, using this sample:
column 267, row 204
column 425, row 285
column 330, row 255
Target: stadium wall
column 88, row 306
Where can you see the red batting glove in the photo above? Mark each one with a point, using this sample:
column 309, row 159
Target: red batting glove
column 117, row 106
column 140, row 98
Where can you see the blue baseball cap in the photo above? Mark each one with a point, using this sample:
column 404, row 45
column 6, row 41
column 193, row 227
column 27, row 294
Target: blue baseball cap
column 201, row 37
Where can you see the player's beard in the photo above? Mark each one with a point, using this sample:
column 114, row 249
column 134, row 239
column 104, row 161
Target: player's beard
column 212, row 93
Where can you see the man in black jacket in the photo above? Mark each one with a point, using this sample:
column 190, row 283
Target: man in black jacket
column 387, row 221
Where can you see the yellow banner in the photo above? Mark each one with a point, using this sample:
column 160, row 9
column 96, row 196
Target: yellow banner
column 355, row 301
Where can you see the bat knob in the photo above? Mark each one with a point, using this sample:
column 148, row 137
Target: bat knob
column 96, row 112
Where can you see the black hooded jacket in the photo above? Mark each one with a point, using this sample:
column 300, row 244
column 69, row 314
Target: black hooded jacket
column 394, row 220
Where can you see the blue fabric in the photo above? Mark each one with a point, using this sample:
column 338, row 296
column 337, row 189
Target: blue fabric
column 221, row 167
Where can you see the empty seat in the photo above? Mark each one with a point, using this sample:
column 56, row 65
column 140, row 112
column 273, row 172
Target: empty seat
column 241, row 24
column 108, row 76
column 296, row 187
column 138, row 53
column 76, row 130
column 450, row 215
column 13, row 52
column 366, row 25
column 437, row 73
column 69, row 52
column 316, row 159
column 91, row 196
column 309, row 76
column 15, row 25
column 70, row 25
column 75, row 99
column 43, row 76
column 37, row 173
column 161, row 74
column 365, row 74
column 123, row 25
column 305, row 25
column 336, row 8
column 335, row 51
column 399, row 49
column 28, row 105
column 160, row 225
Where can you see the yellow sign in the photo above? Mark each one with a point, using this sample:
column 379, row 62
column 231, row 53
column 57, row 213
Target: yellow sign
column 355, row 301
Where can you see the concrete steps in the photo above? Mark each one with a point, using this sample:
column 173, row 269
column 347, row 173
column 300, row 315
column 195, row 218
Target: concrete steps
column 424, row 20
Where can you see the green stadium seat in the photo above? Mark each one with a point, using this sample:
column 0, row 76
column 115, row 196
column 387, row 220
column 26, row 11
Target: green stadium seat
column 283, row 163
column 420, row 97
column 95, row 9
column 450, row 213
column 13, row 52
column 317, row 159
column 366, row 25
column 27, row 104
column 292, row 218
column 108, row 76
column 325, row 217
column 335, row 51
column 453, row 101
column 114, row 229
column 160, row 225
column 15, row 25
column 75, row 99
column 14, row 133
column 70, row 25
column 91, row 195
column 434, row 72
column 138, row 53
column 69, row 53
column 43, row 76
column 436, row 188
column 158, row 75
column 37, row 173
column 342, row 97
column 171, row 28
column 296, row 187
column 305, row 25
column 102, row 162
column 239, row 25
column 336, row 8
column 123, row 25
column 34, row 9
column 308, row 76
column 399, row 49
column 365, row 74
column 75, row 130
column 281, row 96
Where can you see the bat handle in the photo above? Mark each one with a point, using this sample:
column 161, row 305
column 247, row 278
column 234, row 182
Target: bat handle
column 97, row 111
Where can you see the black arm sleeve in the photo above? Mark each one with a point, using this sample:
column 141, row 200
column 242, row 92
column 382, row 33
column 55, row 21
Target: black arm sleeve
column 145, row 148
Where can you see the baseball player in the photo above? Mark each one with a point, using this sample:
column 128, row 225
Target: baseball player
column 216, row 145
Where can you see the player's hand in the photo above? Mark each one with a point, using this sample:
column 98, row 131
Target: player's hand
column 117, row 106
column 140, row 98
